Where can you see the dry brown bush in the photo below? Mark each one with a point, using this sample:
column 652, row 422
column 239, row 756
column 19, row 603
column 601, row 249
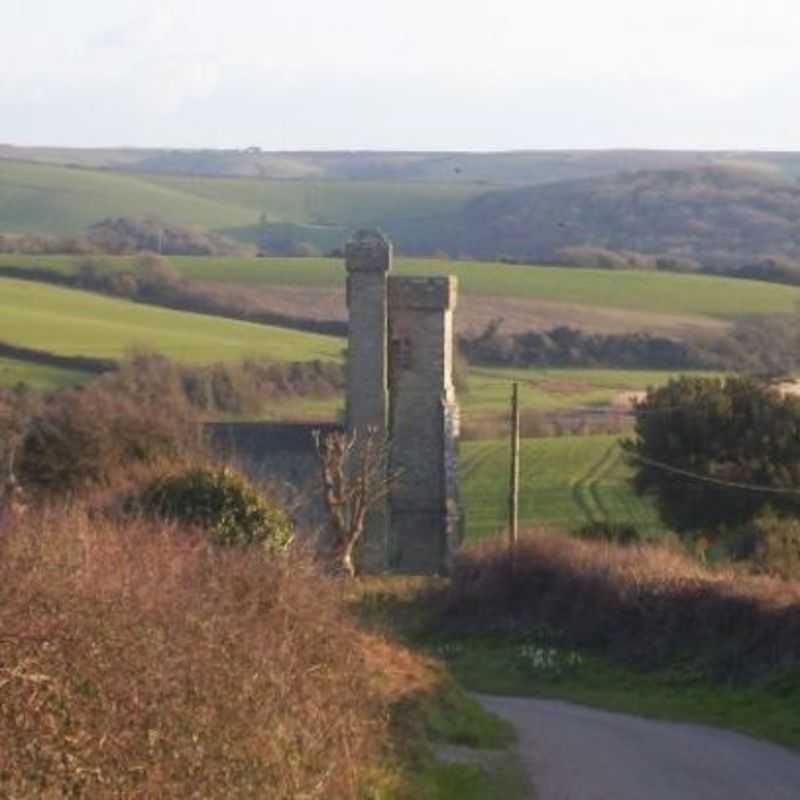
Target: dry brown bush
column 644, row 602
column 81, row 438
column 136, row 662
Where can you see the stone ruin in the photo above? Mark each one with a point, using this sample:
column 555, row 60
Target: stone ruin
column 399, row 381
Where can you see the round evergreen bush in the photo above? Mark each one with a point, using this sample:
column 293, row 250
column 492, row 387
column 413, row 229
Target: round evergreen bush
column 222, row 502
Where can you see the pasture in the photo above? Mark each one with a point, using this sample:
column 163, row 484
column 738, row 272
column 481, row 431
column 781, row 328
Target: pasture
column 564, row 481
column 70, row 322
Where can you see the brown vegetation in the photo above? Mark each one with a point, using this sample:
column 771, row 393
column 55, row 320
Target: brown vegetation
column 766, row 345
column 723, row 218
column 645, row 603
column 125, row 235
column 136, row 234
column 82, row 438
column 138, row 661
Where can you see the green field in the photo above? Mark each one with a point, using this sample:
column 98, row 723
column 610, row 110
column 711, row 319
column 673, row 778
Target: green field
column 543, row 389
column 43, row 198
column 71, row 322
column 567, row 481
column 38, row 376
column 664, row 293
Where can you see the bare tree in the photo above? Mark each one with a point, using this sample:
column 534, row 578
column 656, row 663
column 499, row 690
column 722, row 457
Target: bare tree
column 355, row 478
column 16, row 426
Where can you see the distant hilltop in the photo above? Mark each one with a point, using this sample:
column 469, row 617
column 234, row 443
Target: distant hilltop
column 524, row 167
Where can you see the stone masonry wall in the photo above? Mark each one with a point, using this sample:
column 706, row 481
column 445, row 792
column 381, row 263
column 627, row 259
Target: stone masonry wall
column 423, row 423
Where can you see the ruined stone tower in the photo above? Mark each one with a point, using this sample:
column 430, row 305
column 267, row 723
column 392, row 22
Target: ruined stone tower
column 400, row 381
column 369, row 259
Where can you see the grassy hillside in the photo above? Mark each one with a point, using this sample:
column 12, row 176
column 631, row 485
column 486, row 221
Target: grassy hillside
column 567, row 481
column 80, row 323
column 668, row 293
column 44, row 198
column 49, row 199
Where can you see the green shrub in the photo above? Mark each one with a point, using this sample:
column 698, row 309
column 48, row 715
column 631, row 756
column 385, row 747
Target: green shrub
column 222, row 502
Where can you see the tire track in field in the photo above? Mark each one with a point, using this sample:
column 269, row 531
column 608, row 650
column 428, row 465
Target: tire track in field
column 585, row 494
column 604, row 467
column 473, row 465
column 477, row 459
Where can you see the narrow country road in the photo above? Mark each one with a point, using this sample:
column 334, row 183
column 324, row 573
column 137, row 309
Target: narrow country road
column 576, row 753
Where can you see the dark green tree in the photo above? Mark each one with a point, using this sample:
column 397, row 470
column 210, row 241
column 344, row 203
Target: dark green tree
column 701, row 445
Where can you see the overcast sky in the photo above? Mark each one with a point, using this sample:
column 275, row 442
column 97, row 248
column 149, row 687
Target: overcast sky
column 401, row 74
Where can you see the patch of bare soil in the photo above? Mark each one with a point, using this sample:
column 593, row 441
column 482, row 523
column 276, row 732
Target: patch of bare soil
column 294, row 301
column 474, row 312
column 521, row 314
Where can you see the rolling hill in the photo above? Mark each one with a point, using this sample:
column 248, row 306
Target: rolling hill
column 721, row 218
column 50, row 199
column 710, row 210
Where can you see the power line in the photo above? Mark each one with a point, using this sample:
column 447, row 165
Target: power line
column 750, row 487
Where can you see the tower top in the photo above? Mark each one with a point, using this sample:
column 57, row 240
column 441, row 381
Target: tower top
column 368, row 251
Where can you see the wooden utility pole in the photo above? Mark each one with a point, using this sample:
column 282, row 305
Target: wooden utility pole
column 513, row 496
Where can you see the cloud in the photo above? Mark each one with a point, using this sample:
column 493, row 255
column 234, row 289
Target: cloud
column 416, row 73
column 150, row 24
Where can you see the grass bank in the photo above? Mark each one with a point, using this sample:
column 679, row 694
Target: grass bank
column 644, row 630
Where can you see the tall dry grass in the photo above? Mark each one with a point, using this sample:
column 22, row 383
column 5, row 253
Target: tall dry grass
column 646, row 603
column 137, row 661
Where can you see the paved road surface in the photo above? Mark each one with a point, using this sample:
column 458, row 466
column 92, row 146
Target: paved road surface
column 576, row 753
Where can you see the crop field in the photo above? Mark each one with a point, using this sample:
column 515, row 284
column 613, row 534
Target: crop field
column 664, row 293
column 71, row 322
column 566, row 481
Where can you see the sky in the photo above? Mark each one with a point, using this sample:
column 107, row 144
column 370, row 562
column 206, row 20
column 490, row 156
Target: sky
column 401, row 74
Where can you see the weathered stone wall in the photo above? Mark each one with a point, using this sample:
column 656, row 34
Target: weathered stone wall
column 423, row 423
column 369, row 260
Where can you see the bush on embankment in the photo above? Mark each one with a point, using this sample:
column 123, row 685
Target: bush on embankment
column 647, row 604
column 78, row 439
column 135, row 662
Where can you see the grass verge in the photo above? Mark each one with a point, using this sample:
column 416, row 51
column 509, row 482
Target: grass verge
column 448, row 747
column 644, row 630
column 537, row 664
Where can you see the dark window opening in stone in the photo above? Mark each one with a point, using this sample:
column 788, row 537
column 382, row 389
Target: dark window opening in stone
column 401, row 353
